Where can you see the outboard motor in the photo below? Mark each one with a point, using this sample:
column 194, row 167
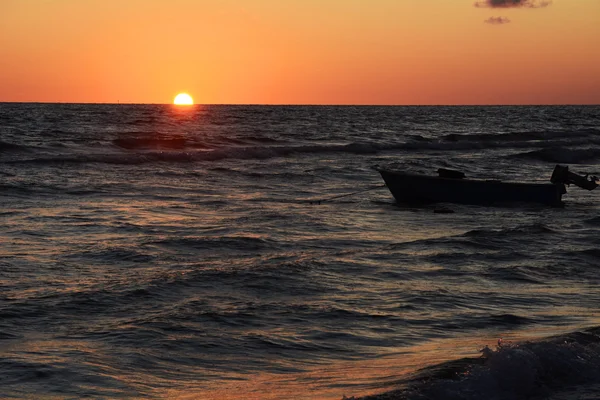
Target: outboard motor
column 562, row 175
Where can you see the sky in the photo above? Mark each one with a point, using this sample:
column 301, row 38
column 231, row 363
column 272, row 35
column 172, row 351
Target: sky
column 399, row 52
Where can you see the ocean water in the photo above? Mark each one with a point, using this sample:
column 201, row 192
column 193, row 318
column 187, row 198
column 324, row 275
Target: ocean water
column 229, row 252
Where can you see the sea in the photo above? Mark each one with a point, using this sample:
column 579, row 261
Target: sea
column 253, row 252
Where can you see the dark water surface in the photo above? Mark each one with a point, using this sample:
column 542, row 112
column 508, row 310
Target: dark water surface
column 149, row 251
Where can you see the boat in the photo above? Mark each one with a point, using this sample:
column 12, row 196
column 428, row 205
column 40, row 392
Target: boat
column 451, row 186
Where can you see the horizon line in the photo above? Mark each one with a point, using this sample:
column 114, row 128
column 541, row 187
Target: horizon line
column 316, row 104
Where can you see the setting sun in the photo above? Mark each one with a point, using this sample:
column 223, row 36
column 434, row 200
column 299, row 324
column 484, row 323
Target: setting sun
column 183, row 99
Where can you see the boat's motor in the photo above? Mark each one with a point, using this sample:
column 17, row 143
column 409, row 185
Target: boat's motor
column 562, row 174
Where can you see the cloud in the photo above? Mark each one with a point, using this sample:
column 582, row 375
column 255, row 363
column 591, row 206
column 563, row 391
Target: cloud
column 497, row 20
column 513, row 3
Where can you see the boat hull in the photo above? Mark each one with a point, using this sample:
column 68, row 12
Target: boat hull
column 421, row 189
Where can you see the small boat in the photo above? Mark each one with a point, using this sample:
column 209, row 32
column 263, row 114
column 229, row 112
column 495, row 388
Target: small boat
column 451, row 186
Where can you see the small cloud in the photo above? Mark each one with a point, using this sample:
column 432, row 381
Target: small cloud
column 513, row 3
column 497, row 20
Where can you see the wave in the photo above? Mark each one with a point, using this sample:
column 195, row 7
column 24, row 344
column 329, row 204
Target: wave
column 22, row 378
column 523, row 230
column 113, row 254
column 26, row 189
column 11, row 147
column 562, row 155
column 241, row 153
column 593, row 221
column 487, row 321
column 17, row 189
column 261, row 139
column 150, row 143
column 480, row 239
column 234, row 243
column 165, row 150
column 181, row 149
column 8, row 336
column 521, row 136
column 536, row 369
column 245, row 140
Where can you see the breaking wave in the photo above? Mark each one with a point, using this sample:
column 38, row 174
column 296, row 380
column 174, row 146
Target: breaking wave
column 536, row 369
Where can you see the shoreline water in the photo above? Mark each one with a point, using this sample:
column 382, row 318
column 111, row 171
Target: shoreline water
column 563, row 366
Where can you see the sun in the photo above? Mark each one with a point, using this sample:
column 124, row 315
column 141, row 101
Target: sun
column 183, row 99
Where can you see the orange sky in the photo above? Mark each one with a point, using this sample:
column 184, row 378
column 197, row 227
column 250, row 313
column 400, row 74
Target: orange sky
column 299, row 52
